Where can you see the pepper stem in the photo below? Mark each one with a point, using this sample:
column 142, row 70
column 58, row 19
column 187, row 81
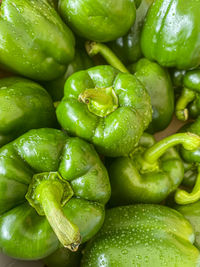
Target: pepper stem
column 94, row 48
column 189, row 141
column 186, row 97
column 47, row 194
column 182, row 197
column 100, row 101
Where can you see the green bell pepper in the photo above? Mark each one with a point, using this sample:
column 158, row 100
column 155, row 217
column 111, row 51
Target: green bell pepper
column 128, row 47
column 24, row 105
column 81, row 61
column 189, row 94
column 105, row 107
column 155, row 79
column 96, row 20
column 142, row 235
column 151, row 172
column 63, row 258
column 171, row 33
column 35, row 42
column 52, row 190
column 159, row 86
column 192, row 213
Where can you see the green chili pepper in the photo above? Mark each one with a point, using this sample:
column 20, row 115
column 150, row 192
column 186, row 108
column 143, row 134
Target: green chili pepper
column 171, row 33
column 53, row 189
column 151, row 172
column 96, row 20
column 127, row 47
column 24, row 105
column 107, row 108
column 142, row 235
column 34, row 40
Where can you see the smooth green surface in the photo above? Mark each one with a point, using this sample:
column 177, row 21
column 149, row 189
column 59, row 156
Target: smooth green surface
column 48, row 150
column 142, row 235
column 35, row 42
column 158, row 84
column 192, row 214
column 24, row 105
column 127, row 47
column 171, row 33
column 119, row 132
column 98, row 20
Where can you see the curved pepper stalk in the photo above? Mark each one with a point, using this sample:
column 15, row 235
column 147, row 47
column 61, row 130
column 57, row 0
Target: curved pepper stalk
column 151, row 172
column 188, row 140
column 182, row 197
column 47, row 193
column 94, row 48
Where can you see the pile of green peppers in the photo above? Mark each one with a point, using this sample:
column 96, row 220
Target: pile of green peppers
column 85, row 86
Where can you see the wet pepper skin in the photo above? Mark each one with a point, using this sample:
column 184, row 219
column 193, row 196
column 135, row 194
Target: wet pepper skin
column 152, row 171
column 135, row 180
column 98, row 20
column 24, row 105
column 35, row 42
column 115, row 125
column 47, row 178
column 171, row 33
column 157, row 82
column 142, row 235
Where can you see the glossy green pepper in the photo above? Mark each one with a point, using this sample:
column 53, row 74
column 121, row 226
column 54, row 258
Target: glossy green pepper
column 155, row 79
column 53, row 189
column 96, row 20
column 35, row 42
column 151, row 172
column 143, row 235
column 105, row 107
column 158, row 83
column 24, row 105
column 171, row 33
column 192, row 213
column 190, row 94
column 63, row 258
column 128, row 47
column 192, row 168
column 81, row 61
